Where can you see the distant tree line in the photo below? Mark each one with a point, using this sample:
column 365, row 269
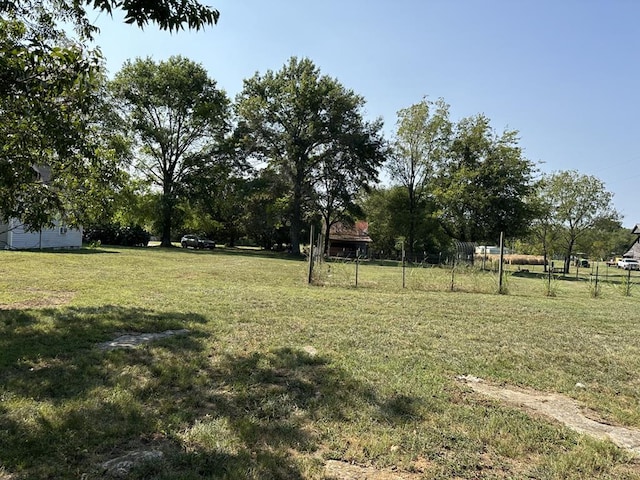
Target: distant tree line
column 161, row 146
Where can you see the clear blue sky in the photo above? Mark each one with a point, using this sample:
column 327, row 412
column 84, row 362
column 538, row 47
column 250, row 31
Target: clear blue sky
column 564, row 73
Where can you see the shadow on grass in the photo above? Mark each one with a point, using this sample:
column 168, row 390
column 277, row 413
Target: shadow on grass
column 570, row 277
column 243, row 252
column 68, row 406
column 71, row 251
column 62, row 398
column 257, row 416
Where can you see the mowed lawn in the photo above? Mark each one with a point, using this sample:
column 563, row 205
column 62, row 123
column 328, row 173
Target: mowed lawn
column 276, row 377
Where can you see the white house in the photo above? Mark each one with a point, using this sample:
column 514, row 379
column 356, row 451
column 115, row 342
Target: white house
column 13, row 235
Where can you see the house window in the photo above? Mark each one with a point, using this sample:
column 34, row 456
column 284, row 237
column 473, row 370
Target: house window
column 63, row 230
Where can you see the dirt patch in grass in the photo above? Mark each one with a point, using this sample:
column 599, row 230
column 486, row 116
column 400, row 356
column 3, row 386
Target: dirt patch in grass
column 40, row 299
column 560, row 408
column 133, row 340
column 346, row 471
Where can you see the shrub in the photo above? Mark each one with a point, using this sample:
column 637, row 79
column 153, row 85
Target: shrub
column 113, row 234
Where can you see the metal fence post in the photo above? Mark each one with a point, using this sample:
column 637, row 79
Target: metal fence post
column 500, row 267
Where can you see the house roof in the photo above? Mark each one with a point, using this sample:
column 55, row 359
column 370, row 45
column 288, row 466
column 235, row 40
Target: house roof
column 358, row 232
column 634, row 251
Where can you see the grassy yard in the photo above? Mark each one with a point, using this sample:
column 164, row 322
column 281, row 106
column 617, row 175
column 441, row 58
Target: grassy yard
column 244, row 395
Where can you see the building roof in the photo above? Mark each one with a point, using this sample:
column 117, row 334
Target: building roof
column 634, row 251
column 358, row 232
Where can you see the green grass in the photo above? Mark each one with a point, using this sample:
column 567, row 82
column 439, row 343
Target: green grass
column 239, row 397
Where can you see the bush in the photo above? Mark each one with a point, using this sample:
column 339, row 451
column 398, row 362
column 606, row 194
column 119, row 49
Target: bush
column 113, row 234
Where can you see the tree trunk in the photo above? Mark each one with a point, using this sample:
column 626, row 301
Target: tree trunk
column 296, row 214
column 167, row 213
column 296, row 221
column 327, row 228
column 567, row 260
column 412, row 222
column 326, row 239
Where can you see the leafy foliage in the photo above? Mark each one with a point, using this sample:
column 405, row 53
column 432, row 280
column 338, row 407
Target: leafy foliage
column 178, row 119
column 299, row 121
column 51, row 108
column 266, row 210
column 168, row 15
column 422, row 138
column 484, row 183
column 577, row 204
column 389, row 218
column 113, row 234
column 50, row 99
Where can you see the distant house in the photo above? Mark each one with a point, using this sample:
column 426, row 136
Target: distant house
column 14, row 235
column 347, row 240
column 634, row 251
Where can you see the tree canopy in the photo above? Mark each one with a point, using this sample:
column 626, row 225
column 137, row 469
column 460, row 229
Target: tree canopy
column 52, row 105
column 484, row 183
column 178, row 118
column 421, row 141
column 299, row 120
column 171, row 15
column 576, row 203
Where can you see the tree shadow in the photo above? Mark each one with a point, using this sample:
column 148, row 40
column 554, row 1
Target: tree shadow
column 570, row 277
column 68, row 406
column 259, row 252
column 71, row 251
column 63, row 398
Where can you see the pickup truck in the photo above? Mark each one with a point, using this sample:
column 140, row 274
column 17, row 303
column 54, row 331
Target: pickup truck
column 629, row 264
column 613, row 262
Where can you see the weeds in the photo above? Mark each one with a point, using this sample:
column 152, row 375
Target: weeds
column 595, row 287
column 626, row 285
column 551, row 285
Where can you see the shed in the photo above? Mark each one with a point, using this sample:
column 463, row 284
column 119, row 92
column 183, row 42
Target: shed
column 345, row 240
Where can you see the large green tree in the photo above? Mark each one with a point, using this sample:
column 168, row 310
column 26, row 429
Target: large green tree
column 420, row 144
column 578, row 203
column 178, row 118
column 50, row 108
column 388, row 217
column 297, row 119
column 606, row 239
column 343, row 173
column 266, row 209
column 52, row 118
column 484, row 183
column 216, row 194
column 543, row 231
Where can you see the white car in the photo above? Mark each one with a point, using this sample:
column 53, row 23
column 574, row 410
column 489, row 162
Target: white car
column 629, row 264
